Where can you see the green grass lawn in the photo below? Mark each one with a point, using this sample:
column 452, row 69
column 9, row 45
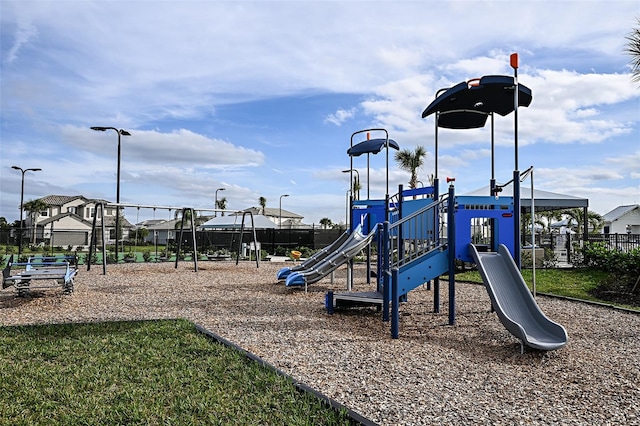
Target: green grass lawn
column 576, row 283
column 151, row 373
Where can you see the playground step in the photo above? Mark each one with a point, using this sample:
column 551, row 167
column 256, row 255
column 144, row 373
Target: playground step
column 353, row 299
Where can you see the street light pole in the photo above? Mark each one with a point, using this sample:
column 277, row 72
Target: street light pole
column 215, row 212
column 22, row 201
column 353, row 187
column 284, row 195
column 120, row 132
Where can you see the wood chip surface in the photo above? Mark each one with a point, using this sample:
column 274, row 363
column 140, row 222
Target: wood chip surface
column 469, row 373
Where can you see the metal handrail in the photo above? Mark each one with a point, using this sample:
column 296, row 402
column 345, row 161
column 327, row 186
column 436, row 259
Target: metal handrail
column 414, row 236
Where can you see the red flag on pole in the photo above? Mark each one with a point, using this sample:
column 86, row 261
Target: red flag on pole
column 514, row 60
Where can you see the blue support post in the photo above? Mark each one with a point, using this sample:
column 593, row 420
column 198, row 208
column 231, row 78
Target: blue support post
column 328, row 301
column 379, row 266
column 400, row 216
column 367, row 221
column 436, row 231
column 386, row 288
column 516, row 218
column 451, row 238
column 436, row 295
column 395, row 302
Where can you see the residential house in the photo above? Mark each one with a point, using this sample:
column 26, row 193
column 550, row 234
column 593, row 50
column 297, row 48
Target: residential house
column 163, row 231
column 284, row 219
column 68, row 220
column 622, row 220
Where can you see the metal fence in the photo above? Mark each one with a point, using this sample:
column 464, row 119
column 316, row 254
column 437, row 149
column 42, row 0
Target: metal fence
column 271, row 240
column 567, row 246
column 621, row 242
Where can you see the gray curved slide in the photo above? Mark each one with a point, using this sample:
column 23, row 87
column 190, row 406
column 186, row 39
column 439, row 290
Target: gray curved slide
column 351, row 247
column 513, row 302
column 315, row 258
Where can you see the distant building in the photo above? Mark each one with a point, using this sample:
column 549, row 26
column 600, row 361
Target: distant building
column 163, row 231
column 68, row 220
column 622, row 220
column 282, row 218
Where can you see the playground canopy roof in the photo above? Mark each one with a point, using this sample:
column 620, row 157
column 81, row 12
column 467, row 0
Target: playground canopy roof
column 371, row 146
column 235, row 221
column 468, row 104
column 543, row 200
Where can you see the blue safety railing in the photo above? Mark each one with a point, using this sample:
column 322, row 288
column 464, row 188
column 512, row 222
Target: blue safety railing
column 411, row 243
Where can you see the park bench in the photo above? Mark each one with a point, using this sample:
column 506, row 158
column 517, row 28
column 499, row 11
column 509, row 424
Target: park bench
column 47, row 271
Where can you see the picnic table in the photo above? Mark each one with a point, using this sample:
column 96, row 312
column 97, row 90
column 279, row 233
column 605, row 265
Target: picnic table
column 48, row 272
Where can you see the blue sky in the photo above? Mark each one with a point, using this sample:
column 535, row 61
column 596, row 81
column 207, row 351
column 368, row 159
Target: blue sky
column 262, row 97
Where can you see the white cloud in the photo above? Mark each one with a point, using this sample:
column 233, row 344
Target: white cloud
column 340, row 116
column 155, row 149
column 25, row 32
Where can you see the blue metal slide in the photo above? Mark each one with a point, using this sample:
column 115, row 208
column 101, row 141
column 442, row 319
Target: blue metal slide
column 513, row 302
column 316, row 258
column 350, row 248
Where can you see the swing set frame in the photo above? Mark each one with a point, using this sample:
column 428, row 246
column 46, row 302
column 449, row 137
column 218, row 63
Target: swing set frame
column 100, row 206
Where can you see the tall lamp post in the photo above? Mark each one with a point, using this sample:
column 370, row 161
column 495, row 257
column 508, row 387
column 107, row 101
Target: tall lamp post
column 284, row 195
column 356, row 190
column 22, row 201
column 120, row 132
column 215, row 212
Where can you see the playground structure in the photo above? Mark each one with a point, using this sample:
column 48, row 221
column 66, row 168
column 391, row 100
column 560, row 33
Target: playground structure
column 186, row 212
column 421, row 234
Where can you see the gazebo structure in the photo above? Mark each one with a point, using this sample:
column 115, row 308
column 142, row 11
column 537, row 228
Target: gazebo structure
column 543, row 201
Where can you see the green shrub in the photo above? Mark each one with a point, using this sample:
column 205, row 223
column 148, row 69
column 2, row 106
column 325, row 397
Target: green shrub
column 623, row 269
column 618, row 262
column 550, row 259
column 306, row 251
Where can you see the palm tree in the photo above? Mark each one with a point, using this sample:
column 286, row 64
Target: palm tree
column 525, row 222
column 34, row 207
column 633, row 49
column 549, row 216
column 263, row 203
column 222, row 204
column 356, row 188
column 594, row 219
column 187, row 217
column 411, row 161
column 326, row 222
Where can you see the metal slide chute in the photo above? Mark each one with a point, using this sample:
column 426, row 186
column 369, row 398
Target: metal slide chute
column 351, row 247
column 513, row 302
column 316, row 258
